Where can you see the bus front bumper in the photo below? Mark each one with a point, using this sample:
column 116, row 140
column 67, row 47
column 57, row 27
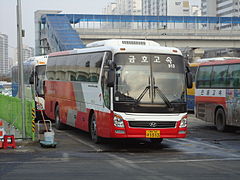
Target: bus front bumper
column 129, row 132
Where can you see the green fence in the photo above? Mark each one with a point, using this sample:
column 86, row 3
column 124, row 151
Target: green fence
column 11, row 112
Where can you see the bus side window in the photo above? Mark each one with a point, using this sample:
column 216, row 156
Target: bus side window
column 95, row 66
column 82, row 67
column 204, row 77
column 236, row 83
column 82, row 77
column 72, row 77
column 234, row 74
column 219, row 76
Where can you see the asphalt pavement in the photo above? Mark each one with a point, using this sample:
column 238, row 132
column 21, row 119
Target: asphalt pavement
column 204, row 154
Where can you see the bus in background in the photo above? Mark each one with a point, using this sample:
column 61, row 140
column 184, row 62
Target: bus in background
column 217, row 96
column 34, row 74
column 191, row 91
column 193, row 68
column 119, row 89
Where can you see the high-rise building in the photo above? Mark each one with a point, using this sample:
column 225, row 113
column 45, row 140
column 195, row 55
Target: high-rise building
column 4, row 64
column 221, row 8
column 209, row 7
column 123, row 7
column 109, row 9
column 27, row 52
column 166, row 8
column 195, row 10
column 150, row 7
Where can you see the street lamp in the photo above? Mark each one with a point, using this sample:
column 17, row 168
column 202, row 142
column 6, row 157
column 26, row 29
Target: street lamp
column 20, row 64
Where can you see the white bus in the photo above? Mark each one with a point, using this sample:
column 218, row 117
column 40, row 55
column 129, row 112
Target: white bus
column 119, row 89
column 34, row 74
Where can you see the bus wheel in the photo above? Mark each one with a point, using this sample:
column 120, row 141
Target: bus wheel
column 58, row 123
column 93, row 129
column 156, row 140
column 220, row 120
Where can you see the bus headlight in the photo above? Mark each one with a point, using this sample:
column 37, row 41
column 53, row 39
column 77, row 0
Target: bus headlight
column 183, row 123
column 118, row 121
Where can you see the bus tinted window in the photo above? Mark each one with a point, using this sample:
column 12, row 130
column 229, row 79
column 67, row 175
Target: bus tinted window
column 204, row 76
column 95, row 66
column 234, row 75
column 83, row 67
column 79, row 67
column 219, row 76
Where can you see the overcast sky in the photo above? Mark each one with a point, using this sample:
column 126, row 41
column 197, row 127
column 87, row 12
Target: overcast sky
column 8, row 14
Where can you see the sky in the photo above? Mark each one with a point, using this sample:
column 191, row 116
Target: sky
column 8, row 14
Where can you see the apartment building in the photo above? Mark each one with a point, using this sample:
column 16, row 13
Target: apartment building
column 166, row 8
column 221, row 8
column 4, row 63
column 27, row 52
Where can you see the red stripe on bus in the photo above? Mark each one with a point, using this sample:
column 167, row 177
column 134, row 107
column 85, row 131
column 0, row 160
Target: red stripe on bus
column 207, row 99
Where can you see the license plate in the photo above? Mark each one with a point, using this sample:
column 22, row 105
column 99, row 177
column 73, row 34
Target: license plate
column 152, row 133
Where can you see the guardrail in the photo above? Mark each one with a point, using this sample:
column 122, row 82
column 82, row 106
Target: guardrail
column 11, row 112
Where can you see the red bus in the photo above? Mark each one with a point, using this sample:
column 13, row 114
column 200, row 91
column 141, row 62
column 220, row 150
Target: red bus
column 119, row 89
column 217, row 94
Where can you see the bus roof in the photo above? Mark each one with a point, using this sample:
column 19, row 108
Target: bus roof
column 216, row 62
column 215, row 59
column 122, row 46
column 37, row 60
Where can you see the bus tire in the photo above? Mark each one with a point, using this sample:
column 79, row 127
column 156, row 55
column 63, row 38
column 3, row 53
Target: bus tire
column 58, row 123
column 156, row 140
column 220, row 120
column 93, row 129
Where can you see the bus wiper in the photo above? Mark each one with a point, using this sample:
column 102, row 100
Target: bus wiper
column 164, row 98
column 142, row 94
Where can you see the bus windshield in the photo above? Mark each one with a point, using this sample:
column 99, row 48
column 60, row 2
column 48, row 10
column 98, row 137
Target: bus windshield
column 40, row 77
column 150, row 79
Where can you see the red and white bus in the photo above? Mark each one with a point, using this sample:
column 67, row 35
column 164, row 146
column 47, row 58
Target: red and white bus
column 119, row 89
column 217, row 94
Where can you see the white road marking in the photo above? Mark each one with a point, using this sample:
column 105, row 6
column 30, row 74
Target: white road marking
column 189, row 160
column 50, row 161
column 128, row 162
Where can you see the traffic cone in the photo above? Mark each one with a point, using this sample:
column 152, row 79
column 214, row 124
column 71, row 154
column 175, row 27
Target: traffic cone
column 9, row 141
column 1, row 133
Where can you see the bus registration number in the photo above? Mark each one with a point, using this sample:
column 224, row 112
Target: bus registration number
column 152, row 133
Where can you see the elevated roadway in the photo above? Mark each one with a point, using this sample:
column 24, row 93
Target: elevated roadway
column 168, row 37
column 59, row 32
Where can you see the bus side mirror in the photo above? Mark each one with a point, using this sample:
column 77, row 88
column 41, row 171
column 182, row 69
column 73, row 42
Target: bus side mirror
column 111, row 74
column 111, row 78
column 31, row 79
column 189, row 80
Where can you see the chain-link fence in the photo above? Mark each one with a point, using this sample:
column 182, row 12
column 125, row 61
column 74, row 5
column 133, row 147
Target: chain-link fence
column 11, row 112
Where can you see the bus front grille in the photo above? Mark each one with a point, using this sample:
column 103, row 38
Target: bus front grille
column 152, row 124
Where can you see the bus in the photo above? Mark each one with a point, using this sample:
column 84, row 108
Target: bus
column 193, row 68
column 33, row 77
column 217, row 95
column 191, row 91
column 119, row 89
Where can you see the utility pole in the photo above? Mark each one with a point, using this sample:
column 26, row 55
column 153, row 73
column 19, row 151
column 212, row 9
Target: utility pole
column 20, row 65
